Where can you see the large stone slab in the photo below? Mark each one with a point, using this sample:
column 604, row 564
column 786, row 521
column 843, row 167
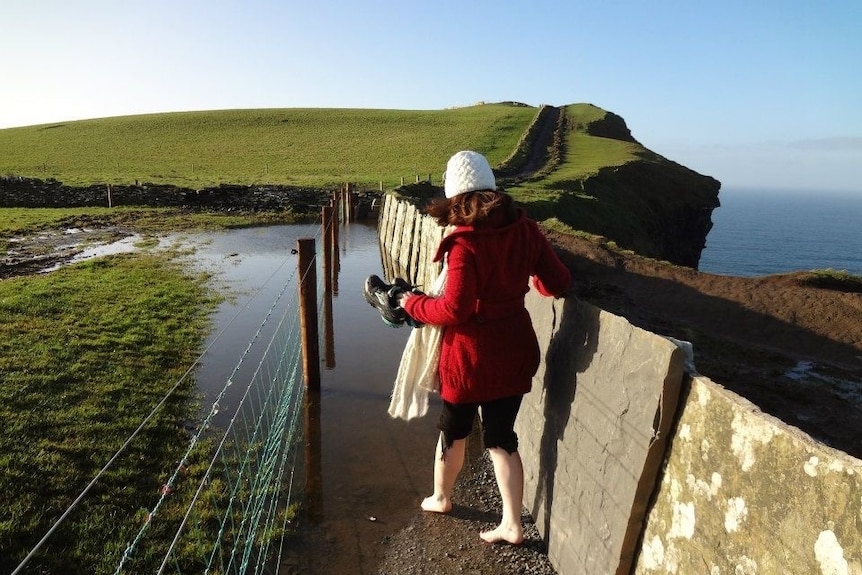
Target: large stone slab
column 593, row 432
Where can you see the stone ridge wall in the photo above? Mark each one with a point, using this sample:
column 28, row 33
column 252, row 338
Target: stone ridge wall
column 633, row 465
column 744, row 493
column 35, row 193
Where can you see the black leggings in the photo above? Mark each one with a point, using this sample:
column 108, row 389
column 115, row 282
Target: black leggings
column 498, row 422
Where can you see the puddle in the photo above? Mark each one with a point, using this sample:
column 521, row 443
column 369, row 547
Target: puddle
column 372, row 466
column 124, row 245
column 45, row 252
column 806, row 372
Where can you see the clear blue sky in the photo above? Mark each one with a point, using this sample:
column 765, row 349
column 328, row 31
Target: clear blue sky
column 761, row 93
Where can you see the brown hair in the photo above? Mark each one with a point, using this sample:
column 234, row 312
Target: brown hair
column 471, row 208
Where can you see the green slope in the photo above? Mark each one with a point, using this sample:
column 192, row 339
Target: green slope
column 272, row 146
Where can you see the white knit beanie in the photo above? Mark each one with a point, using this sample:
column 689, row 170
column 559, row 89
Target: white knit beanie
column 467, row 171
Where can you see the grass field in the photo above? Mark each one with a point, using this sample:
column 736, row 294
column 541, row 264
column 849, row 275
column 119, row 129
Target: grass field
column 85, row 354
column 276, row 146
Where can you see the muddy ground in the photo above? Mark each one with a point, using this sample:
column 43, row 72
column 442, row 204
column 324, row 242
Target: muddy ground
column 50, row 248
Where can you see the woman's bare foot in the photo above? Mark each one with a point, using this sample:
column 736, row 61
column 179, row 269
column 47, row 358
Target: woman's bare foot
column 513, row 535
column 437, row 504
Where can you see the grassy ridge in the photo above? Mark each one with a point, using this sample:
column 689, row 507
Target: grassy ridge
column 584, row 156
column 275, row 146
column 318, row 147
column 613, row 187
column 557, row 198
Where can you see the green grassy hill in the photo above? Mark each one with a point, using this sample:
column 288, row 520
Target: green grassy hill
column 317, row 147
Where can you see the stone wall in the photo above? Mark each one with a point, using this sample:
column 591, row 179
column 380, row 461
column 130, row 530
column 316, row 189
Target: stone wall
column 635, row 464
column 35, row 193
column 593, row 432
column 744, row 493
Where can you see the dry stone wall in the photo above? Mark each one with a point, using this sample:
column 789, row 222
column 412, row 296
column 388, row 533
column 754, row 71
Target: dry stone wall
column 36, row 193
column 593, row 432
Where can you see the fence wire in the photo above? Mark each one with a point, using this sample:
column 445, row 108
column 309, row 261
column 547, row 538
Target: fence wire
column 235, row 481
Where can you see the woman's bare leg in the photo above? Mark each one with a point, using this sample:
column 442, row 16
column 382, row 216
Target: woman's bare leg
column 509, row 472
column 447, row 465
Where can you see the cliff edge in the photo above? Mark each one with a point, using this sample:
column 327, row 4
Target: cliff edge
column 580, row 167
column 602, row 181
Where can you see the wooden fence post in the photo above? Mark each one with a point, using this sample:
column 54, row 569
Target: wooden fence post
column 326, row 237
column 308, row 313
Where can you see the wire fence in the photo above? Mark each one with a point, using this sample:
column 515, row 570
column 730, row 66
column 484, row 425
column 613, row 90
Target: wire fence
column 230, row 499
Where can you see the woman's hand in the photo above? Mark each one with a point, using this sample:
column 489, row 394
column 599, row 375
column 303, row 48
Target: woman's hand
column 403, row 297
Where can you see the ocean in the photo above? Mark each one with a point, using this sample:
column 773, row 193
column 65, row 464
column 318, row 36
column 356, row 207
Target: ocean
column 762, row 232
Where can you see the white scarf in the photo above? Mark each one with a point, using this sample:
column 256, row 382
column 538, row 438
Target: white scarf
column 417, row 372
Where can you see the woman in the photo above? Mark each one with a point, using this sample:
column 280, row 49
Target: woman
column 489, row 352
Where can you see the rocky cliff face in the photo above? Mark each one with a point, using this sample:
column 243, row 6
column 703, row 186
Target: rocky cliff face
column 611, row 126
column 650, row 205
column 664, row 209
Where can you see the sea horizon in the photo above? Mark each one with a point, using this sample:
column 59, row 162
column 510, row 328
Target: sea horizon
column 766, row 231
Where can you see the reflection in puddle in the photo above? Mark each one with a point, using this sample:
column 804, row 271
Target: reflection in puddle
column 369, row 464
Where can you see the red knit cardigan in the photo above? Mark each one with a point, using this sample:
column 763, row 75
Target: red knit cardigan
column 489, row 348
